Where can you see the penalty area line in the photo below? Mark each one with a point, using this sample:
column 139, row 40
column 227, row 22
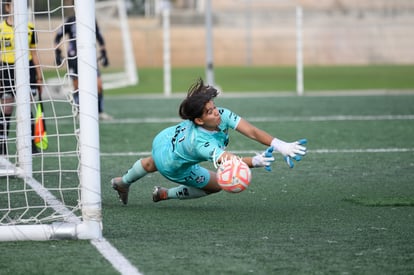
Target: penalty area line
column 112, row 255
column 368, row 150
column 123, row 265
column 316, row 151
column 274, row 119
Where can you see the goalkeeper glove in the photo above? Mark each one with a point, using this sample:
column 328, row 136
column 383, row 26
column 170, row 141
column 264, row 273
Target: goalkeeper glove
column 58, row 56
column 104, row 58
column 293, row 150
column 263, row 159
column 268, row 153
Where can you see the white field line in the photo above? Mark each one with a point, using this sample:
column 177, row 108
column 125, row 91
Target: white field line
column 282, row 119
column 270, row 94
column 274, row 119
column 313, row 151
column 113, row 256
column 120, row 263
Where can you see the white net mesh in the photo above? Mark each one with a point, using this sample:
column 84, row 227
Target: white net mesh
column 51, row 190
column 114, row 27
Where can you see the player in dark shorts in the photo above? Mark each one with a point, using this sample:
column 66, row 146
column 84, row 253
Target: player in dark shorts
column 69, row 29
column 7, row 77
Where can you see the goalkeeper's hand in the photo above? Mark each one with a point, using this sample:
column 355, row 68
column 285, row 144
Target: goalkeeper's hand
column 104, row 58
column 58, row 56
column 264, row 159
column 290, row 151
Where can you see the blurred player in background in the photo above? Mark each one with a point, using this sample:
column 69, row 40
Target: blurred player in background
column 69, row 29
column 7, row 74
column 201, row 136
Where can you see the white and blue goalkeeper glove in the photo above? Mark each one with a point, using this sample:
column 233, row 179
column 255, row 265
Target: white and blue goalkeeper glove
column 264, row 159
column 268, row 153
column 290, row 151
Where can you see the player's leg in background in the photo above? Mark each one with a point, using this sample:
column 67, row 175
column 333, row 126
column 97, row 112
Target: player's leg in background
column 6, row 104
column 102, row 114
column 73, row 73
column 6, row 110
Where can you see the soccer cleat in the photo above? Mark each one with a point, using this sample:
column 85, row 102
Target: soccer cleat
column 121, row 188
column 159, row 194
column 105, row 116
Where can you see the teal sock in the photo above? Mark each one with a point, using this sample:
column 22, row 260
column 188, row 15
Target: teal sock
column 134, row 173
column 183, row 192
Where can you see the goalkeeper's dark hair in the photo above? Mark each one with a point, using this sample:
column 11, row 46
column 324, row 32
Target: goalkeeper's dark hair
column 198, row 95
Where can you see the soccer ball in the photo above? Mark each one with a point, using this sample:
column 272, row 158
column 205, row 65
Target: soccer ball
column 233, row 175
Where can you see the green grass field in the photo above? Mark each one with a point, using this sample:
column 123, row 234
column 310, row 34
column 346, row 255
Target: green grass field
column 346, row 208
column 264, row 79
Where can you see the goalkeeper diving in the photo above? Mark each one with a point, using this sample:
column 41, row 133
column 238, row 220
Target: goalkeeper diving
column 203, row 135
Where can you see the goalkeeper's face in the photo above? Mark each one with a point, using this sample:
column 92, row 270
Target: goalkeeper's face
column 211, row 118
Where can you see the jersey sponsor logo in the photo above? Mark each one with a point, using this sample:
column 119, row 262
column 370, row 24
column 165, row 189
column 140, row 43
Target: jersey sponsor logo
column 178, row 130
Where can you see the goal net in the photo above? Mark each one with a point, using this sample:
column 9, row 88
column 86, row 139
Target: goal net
column 113, row 25
column 48, row 192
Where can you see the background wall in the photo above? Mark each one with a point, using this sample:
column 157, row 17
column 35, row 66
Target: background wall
column 263, row 33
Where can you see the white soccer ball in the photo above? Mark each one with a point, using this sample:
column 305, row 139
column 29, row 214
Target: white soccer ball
column 233, row 175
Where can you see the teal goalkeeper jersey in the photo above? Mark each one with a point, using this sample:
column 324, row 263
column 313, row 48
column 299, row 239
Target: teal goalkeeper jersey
column 186, row 144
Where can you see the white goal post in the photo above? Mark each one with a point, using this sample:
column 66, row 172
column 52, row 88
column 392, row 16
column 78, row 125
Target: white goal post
column 299, row 50
column 112, row 15
column 266, row 32
column 55, row 193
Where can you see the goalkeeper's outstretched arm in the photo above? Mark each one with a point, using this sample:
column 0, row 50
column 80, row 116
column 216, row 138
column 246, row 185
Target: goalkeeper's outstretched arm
column 290, row 150
column 260, row 160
